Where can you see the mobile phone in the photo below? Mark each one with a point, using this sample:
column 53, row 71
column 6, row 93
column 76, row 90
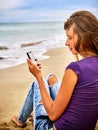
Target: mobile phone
column 31, row 56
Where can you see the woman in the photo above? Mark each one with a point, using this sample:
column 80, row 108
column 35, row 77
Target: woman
column 77, row 98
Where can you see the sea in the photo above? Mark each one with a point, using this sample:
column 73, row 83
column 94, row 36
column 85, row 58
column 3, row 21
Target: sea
column 16, row 39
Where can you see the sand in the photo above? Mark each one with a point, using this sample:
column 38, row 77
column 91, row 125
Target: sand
column 15, row 82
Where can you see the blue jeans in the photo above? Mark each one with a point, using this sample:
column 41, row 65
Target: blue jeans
column 33, row 103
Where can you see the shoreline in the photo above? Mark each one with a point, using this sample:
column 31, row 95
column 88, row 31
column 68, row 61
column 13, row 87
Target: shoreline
column 15, row 82
column 41, row 38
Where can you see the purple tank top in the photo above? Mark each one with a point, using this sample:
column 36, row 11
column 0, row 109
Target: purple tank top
column 82, row 111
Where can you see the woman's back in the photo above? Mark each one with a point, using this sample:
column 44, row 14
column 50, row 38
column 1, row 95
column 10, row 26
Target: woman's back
column 82, row 111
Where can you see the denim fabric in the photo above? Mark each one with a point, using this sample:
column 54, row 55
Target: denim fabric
column 32, row 103
column 27, row 107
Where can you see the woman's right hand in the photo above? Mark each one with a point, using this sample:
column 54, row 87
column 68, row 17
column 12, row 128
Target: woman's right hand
column 33, row 68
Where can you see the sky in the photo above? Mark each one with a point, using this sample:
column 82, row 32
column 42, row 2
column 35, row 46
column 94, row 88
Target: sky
column 43, row 10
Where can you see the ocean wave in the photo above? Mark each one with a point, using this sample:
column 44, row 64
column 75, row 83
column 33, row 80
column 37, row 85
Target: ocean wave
column 30, row 44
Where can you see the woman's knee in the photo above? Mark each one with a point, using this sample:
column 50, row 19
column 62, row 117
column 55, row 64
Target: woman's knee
column 52, row 79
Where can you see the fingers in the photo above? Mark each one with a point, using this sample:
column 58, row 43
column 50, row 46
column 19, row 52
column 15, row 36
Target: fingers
column 30, row 63
column 39, row 65
column 36, row 59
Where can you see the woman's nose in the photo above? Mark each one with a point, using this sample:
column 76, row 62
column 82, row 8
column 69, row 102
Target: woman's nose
column 66, row 43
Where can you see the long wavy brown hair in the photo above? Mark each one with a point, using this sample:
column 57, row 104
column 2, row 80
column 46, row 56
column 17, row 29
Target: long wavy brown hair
column 86, row 27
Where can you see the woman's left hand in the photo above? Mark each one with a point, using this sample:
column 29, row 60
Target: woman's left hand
column 35, row 69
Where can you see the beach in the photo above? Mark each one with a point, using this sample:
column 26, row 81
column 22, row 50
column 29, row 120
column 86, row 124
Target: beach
column 15, row 82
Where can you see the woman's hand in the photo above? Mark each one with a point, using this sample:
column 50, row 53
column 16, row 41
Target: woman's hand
column 33, row 68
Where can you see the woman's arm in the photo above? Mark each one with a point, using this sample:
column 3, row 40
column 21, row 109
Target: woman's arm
column 55, row 108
